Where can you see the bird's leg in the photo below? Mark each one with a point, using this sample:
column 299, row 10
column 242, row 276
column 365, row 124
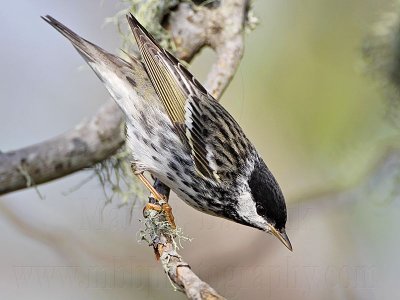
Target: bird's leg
column 154, row 194
column 161, row 204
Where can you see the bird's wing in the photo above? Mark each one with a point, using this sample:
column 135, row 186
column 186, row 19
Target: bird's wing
column 194, row 113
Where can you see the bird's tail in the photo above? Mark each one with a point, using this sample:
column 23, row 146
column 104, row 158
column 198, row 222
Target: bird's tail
column 89, row 51
column 122, row 79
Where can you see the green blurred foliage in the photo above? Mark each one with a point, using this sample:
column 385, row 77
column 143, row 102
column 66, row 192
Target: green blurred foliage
column 302, row 94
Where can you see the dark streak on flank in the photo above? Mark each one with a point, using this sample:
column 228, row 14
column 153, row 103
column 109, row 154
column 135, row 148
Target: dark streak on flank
column 131, row 81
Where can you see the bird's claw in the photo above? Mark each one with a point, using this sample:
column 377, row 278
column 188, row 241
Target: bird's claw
column 161, row 207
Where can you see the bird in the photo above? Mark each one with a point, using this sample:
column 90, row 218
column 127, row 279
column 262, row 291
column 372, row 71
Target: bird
column 179, row 133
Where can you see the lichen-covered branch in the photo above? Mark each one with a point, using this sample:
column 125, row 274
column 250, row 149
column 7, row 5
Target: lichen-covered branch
column 164, row 241
column 88, row 143
column 182, row 275
column 221, row 28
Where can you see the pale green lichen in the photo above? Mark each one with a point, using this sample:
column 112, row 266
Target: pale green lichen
column 252, row 20
column 156, row 225
column 117, row 179
column 157, row 230
column 150, row 14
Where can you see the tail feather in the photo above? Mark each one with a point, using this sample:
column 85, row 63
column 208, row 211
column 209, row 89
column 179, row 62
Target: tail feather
column 89, row 51
column 122, row 79
column 83, row 46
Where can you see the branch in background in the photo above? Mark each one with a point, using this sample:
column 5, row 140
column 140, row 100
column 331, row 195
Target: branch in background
column 61, row 240
column 221, row 28
column 97, row 139
column 88, row 143
column 381, row 184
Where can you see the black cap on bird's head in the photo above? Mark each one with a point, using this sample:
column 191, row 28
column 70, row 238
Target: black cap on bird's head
column 269, row 201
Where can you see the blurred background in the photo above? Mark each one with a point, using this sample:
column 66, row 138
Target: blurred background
column 304, row 97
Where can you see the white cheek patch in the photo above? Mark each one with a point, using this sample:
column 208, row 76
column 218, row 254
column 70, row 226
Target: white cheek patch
column 247, row 210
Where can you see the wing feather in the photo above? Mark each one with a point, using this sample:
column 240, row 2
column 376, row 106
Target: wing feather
column 181, row 95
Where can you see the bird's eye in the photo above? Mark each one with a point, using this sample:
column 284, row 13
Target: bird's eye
column 260, row 209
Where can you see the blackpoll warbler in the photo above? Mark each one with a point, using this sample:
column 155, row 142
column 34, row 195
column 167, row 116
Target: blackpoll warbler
column 179, row 133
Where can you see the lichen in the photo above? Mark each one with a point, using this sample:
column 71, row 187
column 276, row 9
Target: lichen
column 157, row 231
column 252, row 20
column 156, row 226
column 150, row 14
column 117, row 179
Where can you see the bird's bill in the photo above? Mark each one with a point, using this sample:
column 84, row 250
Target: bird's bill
column 282, row 236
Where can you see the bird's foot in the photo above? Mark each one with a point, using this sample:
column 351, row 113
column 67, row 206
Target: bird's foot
column 161, row 207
